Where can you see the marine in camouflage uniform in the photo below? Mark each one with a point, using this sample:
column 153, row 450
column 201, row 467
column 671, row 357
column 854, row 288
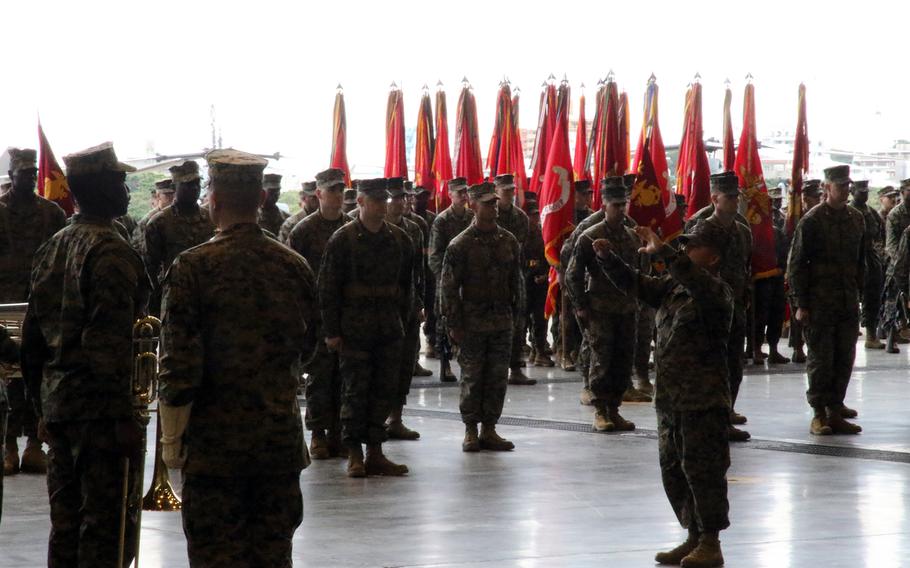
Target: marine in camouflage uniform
column 411, row 346
column 606, row 314
column 736, row 270
column 323, row 378
column 770, row 297
column 230, row 341
column 898, row 220
column 419, row 201
column 410, row 194
column 163, row 197
column 447, row 225
column 176, row 228
column 88, row 286
column 514, row 220
column 31, row 220
column 537, row 269
column 270, row 216
column 825, row 271
column 891, row 318
column 874, row 272
column 692, row 393
column 480, row 296
column 366, row 295
column 308, row 189
column 811, row 197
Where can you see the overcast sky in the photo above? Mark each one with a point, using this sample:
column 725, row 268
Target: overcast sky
column 145, row 73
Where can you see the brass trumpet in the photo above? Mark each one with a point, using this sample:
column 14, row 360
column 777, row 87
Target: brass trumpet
column 144, row 391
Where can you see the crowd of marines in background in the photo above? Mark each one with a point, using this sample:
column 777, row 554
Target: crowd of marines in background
column 342, row 314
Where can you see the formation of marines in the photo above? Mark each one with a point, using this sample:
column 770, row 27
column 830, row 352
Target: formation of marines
column 360, row 269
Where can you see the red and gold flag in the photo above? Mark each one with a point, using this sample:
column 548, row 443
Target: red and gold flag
column 502, row 157
column 729, row 150
column 51, row 181
column 652, row 204
column 546, row 125
column 442, row 159
column 693, row 172
column 339, row 157
column 624, row 133
column 468, row 162
column 607, row 147
column 423, row 150
column 579, row 163
column 752, row 182
column 518, row 154
column 800, row 165
column 557, row 197
column 396, row 163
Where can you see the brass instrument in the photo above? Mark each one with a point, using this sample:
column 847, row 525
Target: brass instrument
column 144, row 391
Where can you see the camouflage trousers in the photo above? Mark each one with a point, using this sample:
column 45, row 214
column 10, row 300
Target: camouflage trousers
column 85, row 485
column 370, row 367
column 797, row 338
column 241, row 521
column 484, row 361
column 519, row 335
column 536, row 323
column 612, row 340
column 770, row 305
column 409, row 352
column 323, row 390
column 735, row 352
column 443, row 346
column 832, row 350
column 429, row 301
column 644, row 333
column 694, row 458
column 22, row 419
column 873, row 285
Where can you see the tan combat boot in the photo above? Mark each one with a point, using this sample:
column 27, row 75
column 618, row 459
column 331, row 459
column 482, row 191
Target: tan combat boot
column 675, row 556
column 632, row 394
column 11, row 459
column 819, row 425
column 517, row 377
column 644, row 385
column 34, row 460
column 543, row 360
column 587, row 397
column 337, row 449
column 847, row 412
column 396, row 429
column 471, row 441
column 619, row 422
column 873, row 342
column 355, row 461
column 319, row 446
column 734, row 434
column 490, row 440
column 377, row 464
column 839, row 425
column 602, row 422
column 706, row 555
column 737, row 418
column 421, row 371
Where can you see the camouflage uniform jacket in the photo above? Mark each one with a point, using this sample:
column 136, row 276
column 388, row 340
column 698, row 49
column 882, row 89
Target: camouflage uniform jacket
column 481, row 285
column 587, row 285
column 88, row 287
column 271, row 218
column 138, row 236
column 9, row 353
column 128, row 223
column 694, row 313
column 29, row 225
column 446, row 227
column 579, row 215
column 516, row 222
column 899, row 268
column 171, row 232
column 416, row 236
column 736, row 266
column 898, row 219
column 874, row 235
column 239, row 313
column 826, row 265
column 568, row 246
column 284, row 232
column 366, row 282
column 424, row 228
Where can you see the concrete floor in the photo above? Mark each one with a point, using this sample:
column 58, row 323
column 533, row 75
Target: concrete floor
column 568, row 497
